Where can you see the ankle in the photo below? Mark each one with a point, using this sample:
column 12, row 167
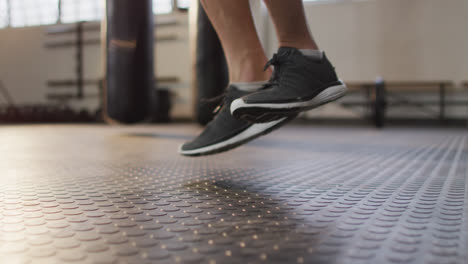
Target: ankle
column 251, row 76
column 249, row 71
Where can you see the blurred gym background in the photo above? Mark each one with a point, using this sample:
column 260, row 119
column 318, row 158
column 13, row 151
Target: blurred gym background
column 404, row 61
column 330, row 188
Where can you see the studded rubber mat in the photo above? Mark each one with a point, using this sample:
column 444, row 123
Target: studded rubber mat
column 303, row 194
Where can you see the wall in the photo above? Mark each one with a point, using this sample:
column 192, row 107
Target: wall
column 397, row 39
column 26, row 65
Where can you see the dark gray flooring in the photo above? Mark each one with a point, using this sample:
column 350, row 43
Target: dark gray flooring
column 304, row 194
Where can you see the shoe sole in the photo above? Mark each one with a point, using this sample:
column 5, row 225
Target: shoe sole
column 251, row 133
column 261, row 113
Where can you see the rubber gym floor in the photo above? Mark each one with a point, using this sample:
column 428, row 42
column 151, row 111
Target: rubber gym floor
column 303, row 194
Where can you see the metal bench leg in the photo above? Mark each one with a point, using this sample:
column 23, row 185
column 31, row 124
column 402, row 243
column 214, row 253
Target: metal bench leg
column 379, row 104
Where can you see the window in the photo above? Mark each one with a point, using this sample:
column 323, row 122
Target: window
column 21, row 13
column 162, row 6
column 82, row 10
column 33, row 12
column 3, row 14
column 183, row 4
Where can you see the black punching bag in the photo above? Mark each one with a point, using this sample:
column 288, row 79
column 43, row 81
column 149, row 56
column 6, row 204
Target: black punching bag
column 211, row 68
column 129, row 80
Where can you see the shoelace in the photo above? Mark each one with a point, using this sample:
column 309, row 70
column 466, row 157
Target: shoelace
column 222, row 99
column 217, row 99
column 276, row 61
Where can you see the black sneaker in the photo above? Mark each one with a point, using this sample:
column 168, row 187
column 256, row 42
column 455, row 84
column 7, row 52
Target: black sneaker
column 299, row 83
column 225, row 132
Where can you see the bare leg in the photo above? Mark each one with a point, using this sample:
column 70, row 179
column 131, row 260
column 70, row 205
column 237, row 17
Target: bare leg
column 233, row 22
column 290, row 23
